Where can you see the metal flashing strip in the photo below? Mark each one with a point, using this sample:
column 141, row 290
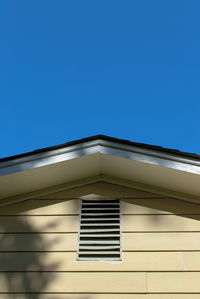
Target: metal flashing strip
column 158, row 153
column 99, row 146
column 100, row 230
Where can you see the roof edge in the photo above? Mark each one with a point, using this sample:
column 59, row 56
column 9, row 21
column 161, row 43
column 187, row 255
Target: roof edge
column 106, row 138
column 99, row 146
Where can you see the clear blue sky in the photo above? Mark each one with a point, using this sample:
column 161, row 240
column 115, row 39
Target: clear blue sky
column 72, row 69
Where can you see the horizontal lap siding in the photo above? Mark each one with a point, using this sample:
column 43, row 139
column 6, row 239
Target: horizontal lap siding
column 131, row 242
column 125, row 282
column 101, row 296
column 159, row 206
column 159, row 223
column 159, row 226
column 129, row 206
column 70, row 223
column 39, row 224
column 66, row 261
column 43, row 207
column 38, row 242
column 161, row 242
column 185, row 282
column 74, row 282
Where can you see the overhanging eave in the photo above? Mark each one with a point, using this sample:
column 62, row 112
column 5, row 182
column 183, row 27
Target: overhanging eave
column 145, row 167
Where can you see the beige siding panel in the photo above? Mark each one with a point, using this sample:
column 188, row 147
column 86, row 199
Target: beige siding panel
column 104, row 190
column 71, row 223
column 159, row 206
column 131, row 242
column 38, row 242
column 174, row 282
column 131, row 206
column 191, row 261
column 39, row 223
column 43, row 207
column 161, row 241
column 66, row 261
column 101, row 296
column 160, row 223
column 73, row 282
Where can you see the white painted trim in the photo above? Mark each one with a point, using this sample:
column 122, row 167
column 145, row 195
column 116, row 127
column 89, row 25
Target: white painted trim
column 45, row 159
column 50, row 190
column 149, row 152
column 103, row 149
column 100, row 178
column 152, row 157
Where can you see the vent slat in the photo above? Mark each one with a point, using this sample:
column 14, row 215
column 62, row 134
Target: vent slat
column 100, row 204
column 100, row 201
column 100, row 209
column 102, row 247
column 99, row 252
column 98, row 258
column 113, row 219
column 99, row 235
column 97, row 242
column 101, row 214
column 100, row 224
column 100, row 230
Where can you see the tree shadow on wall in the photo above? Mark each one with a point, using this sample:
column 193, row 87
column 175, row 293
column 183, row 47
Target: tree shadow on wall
column 21, row 263
column 27, row 270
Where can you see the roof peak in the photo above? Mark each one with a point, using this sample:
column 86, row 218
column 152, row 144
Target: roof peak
column 106, row 138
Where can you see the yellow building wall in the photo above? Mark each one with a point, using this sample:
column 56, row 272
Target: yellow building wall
column 160, row 244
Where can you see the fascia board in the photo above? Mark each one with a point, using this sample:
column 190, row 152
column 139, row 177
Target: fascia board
column 104, row 148
column 150, row 157
column 138, row 154
column 48, row 158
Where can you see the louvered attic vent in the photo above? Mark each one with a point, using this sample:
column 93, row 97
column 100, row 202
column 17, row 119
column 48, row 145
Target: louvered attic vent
column 99, row 235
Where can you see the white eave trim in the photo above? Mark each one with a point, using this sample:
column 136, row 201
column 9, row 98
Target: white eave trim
column 100, row 146
column 50, row 157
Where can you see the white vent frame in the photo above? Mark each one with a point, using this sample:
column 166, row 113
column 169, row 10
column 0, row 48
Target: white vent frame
column 116, row 255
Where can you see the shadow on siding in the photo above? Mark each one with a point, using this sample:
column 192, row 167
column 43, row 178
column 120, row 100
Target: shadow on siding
column 23, row 272
column 11, row 258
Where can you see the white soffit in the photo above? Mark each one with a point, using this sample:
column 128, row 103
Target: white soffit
column 100, row 157
column 151, row 175
column 42, row 177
